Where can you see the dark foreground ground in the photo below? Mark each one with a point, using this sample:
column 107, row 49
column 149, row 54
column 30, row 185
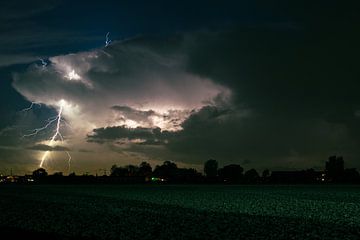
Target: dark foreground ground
column 179, row 212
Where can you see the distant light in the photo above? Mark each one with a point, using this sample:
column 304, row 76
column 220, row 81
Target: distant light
column 156, row 179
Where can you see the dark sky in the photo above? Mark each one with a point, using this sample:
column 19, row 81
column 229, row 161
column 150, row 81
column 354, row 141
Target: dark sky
column 265, row 84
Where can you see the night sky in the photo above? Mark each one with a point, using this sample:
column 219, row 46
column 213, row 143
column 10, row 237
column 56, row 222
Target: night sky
column 263, row 84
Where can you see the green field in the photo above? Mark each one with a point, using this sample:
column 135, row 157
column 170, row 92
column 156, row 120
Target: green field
column 181, row 211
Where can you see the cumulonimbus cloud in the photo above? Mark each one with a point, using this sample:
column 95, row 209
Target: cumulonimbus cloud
column 130, row 84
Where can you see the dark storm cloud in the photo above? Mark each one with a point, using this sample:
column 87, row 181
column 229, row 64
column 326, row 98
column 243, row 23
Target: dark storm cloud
column 8, row 136
column 18, row 9
column 28, row 32
column 263, row 140
column 122, row 132
column 281, row 71
column 16, row 18
column 300, row 84
column 44, row 147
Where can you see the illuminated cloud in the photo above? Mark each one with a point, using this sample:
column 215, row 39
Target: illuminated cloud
column 128, row 92
column 170, row 120
column 138, row 77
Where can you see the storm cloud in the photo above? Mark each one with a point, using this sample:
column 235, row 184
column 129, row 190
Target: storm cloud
column 130, row 74
column 274, row 94
column 125, row 89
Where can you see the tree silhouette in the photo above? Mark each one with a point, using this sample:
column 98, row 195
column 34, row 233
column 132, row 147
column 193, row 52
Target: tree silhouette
column 132, row 170
column 145, row 169
column 39, row 173
column 211, row 168
column 232, row 173
column 251, row 176
column 116, row 171
column 168, row 170
column 265, row 173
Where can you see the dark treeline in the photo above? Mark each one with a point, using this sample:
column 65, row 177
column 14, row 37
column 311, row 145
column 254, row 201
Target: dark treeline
column 169, row 172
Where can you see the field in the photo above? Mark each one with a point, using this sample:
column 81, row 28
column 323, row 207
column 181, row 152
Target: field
column 180, row 212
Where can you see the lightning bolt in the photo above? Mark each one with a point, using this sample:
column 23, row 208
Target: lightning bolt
column 57, row 135
column 107, row 40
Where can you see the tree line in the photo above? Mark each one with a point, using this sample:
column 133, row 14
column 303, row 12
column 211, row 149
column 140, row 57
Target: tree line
column 169, row 172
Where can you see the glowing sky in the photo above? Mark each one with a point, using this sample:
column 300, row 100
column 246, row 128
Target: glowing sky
column 258, row 84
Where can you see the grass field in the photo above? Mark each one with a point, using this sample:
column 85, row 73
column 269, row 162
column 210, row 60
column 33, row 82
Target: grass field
column 180, row 212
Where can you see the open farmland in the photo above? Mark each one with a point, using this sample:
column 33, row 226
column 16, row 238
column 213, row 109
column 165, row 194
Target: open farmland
column 180, row 211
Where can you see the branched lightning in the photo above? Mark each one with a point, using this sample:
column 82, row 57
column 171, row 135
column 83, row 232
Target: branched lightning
column 107, row 40
column 57, row 135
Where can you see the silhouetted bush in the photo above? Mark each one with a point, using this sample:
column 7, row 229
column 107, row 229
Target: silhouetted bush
column 39, row 174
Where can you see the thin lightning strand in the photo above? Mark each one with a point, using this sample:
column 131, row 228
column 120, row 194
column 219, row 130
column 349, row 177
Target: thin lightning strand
column 31, row 106
column 62, row 139
column 37, row 130
column 107, row 40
